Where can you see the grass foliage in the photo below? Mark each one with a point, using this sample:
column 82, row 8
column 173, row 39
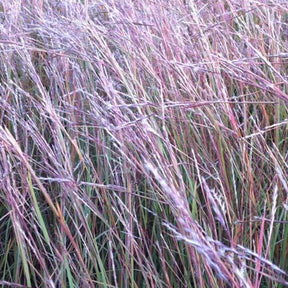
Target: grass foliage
column 143, row 143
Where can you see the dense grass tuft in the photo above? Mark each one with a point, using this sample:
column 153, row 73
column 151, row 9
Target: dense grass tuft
column 143, row 143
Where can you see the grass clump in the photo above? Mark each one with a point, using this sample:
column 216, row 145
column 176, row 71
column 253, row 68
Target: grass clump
column 143, row 144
